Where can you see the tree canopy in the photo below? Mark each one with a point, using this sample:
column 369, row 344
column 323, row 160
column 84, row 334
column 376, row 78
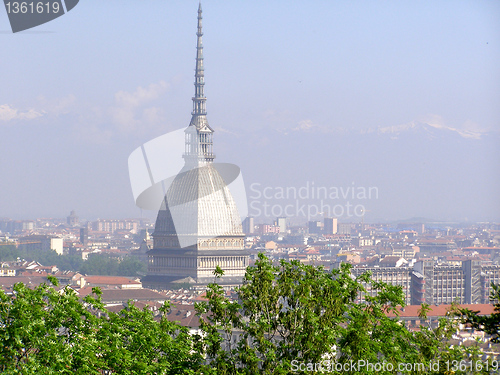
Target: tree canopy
column 287, row 318
column 96, row 264
column 294, row 318
column 49, row 331
column 103, row 264
column 490, row 323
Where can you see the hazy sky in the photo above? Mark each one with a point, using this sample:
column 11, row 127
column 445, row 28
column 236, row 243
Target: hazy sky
column 80, row 93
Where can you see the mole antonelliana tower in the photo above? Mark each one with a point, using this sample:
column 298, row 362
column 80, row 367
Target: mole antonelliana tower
column 198, row 225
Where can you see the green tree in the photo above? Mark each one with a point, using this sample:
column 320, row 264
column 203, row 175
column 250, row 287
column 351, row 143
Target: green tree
column 131, row 267
column 66, row 262
column 457, row 360
column 293, row 313
column 97, row 264
column 43, row 331
column 134, row 342
column 286, row 315
column 100, row 264
column 69, row 262
column 49, row 331
column 103, row 264
column 489, row 324
column 8, row 252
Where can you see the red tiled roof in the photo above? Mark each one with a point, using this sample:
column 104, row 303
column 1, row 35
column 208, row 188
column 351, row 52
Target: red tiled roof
column 390, row 259
column 201, row 297
column 9, row 281
column 185, row 315
column 35, row 272
column 312, row 251
column 110, row 280
column 123, row 295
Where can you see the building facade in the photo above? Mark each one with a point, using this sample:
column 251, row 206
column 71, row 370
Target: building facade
column 198, row 226
column 437, row 284
column 41, row 243
column 281, row 224
column 489, row 274
column 248, row 225
column 330, row 225
column 391, row 275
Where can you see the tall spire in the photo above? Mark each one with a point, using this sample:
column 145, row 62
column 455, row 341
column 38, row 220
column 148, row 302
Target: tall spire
column 199, row 133
column 199, row 99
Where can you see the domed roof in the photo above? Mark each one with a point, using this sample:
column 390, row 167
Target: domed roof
column 198, row 204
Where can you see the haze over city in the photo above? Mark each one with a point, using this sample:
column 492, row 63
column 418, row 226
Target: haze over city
column 397, row 96
column 336, row 208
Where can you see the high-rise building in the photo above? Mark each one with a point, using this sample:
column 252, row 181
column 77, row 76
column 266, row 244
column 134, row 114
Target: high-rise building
column 437, row 284
column 345, row 228
column 434, row 283
column 84, row 235
column 248, row 225
column 329, row 225
column 112, row 226
column 281, row 223
column 489, row 274
column 315, row 227
column 13, row 226
column 390, row 275
column 198, row 226
column 41, row 243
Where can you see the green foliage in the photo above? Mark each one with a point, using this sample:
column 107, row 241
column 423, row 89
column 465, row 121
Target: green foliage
column 371, row 335
column 8, row 252
column 138, row 344
column 291, row 313
column 103, row 264
column 45, row 331
column 71, row 262
column 424, row 310
column 131, row 267
column 100, row 264
column 97, row 264
column 286, row 314
column 434, row 346
column 489, row 324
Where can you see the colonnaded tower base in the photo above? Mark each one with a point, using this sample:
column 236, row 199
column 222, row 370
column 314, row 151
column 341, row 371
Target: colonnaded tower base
column 198, row 226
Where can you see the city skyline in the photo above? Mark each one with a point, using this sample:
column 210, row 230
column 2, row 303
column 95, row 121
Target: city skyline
column 400, row 97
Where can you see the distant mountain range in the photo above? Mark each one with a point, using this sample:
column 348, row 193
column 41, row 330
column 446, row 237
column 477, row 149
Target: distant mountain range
column 420, row 169
column 432, row 129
